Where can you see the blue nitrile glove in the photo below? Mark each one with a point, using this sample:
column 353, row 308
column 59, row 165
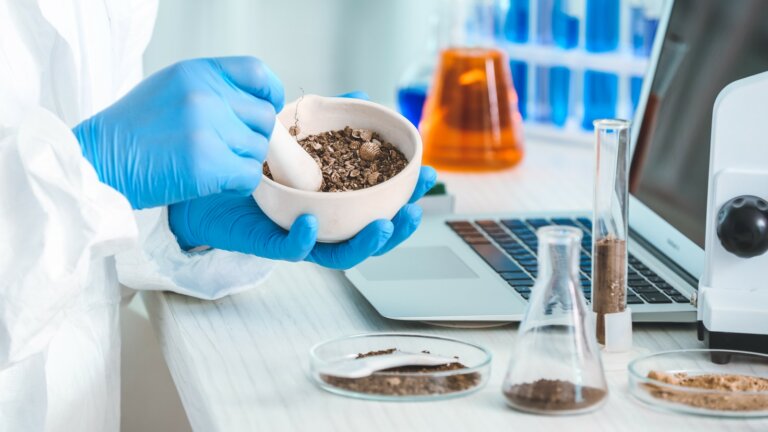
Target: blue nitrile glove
column 193, row 129
column 236, row 223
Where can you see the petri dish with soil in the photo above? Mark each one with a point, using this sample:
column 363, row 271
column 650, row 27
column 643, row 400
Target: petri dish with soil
column 695, row 382
column 465, row 370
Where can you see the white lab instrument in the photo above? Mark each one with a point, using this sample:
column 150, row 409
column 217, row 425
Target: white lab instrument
column 733, row 296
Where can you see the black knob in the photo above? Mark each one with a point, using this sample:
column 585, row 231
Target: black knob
column 742, row 226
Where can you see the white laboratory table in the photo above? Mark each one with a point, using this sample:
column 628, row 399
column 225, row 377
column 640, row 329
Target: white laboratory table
column 240, row 363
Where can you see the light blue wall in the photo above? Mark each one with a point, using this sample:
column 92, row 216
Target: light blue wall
column 323, row 46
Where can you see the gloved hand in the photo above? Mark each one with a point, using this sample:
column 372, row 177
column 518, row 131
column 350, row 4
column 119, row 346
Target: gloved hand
column 196, row 128
column 236, row 223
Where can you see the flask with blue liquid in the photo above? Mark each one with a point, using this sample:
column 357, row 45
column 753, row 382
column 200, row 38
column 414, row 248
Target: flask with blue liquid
column 412, row 92
column 416, row 80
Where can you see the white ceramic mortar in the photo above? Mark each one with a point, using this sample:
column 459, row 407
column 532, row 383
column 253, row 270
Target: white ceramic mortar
column 341, row 215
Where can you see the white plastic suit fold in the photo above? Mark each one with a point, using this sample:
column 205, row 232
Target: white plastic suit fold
column 61, row 61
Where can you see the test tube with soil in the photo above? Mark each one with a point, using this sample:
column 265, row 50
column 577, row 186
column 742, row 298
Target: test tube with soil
column 609, row 233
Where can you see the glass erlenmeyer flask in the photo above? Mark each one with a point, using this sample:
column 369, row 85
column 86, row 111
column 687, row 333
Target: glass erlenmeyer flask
column 556, row 366
column 471, row 120
column 414, row 84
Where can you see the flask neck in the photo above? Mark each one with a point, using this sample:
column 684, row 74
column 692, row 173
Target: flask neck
column 469, row 24
column 559, row 254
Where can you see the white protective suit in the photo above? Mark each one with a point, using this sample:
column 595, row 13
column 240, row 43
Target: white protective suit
column 61, row 61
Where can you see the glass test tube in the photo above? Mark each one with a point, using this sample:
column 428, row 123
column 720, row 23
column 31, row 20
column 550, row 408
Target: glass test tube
column 609, row 223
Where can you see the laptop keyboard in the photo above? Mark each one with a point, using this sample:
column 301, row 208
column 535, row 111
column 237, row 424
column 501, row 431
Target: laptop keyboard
column 509, row 246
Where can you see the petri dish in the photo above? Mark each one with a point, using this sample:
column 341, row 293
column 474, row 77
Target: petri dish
column 427, row 384
column 726, row 394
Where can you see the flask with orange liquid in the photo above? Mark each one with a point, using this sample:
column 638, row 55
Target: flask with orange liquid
column 471, row 121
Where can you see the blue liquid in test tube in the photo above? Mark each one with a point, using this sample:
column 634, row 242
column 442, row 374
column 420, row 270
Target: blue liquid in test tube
column 516, row 22
column 635, row 87
column 565, row 25
column 601, row 90
column 520, row 82
column 602, row 25
column 637, row 24
column 544, row 22
column 601, row 36
column 410, row 101
column 542, row 109
column 559, row 93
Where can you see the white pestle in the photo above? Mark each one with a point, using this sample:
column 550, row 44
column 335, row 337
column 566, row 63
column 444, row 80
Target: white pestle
column 290, row 164
column 362, row 367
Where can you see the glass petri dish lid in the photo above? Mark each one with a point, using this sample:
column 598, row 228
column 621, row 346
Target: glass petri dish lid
column 467, row 374
column 718, row 383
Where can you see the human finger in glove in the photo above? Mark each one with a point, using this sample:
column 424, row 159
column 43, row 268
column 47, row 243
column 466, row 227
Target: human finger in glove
column 236, row 223
column 196, row 128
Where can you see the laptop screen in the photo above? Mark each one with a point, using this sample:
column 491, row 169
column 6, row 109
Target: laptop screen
column 708, row 45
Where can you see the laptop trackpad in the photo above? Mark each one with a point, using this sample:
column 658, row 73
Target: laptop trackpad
column 414, row 263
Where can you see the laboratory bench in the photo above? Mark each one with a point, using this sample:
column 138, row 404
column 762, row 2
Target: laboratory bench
column 241, row 363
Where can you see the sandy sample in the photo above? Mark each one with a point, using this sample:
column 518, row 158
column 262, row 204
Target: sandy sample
column 720, row 384
column 609, row 290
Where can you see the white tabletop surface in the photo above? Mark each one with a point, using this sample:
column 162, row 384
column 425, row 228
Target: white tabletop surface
column 241, row 363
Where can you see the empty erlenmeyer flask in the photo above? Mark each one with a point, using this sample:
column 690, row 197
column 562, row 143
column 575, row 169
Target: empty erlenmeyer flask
column 555, row 366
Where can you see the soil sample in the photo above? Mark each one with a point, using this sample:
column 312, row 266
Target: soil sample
column 553, row 395
column 745, row 391
column 351, row 159
column 405, row 381
column 609, row 289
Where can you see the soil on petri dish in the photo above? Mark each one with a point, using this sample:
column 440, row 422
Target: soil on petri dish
column 553, row 395
column 747, row 393
column 609, row 284
column 351, row 159
column 405, row 380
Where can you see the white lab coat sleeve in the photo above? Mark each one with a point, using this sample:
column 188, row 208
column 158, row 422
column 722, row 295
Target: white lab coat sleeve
column 159, row 264
column 57, row 222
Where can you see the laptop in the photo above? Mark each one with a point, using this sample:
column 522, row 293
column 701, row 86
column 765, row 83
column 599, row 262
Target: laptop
column 481, row 268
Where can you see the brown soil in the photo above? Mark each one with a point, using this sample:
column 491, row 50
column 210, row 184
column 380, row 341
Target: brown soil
column 351, row 159
column 609, row 290
column 553, row 395
column 719, row 383
column 388, row 383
